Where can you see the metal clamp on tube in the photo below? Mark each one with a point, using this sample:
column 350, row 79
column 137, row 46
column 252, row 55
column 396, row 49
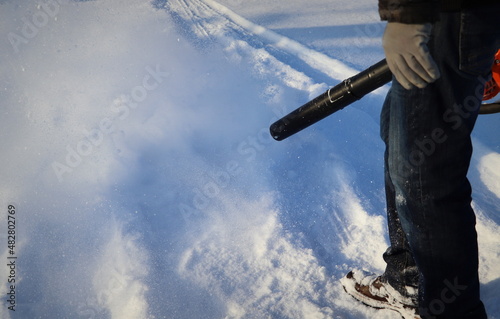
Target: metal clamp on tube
column 333, row 100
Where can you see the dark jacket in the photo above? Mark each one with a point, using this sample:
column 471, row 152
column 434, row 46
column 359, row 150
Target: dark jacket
column 422, row 11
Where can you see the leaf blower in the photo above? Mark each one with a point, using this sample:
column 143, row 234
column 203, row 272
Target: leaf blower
column 356, row 87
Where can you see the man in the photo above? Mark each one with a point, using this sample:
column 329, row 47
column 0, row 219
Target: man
column 440, row 54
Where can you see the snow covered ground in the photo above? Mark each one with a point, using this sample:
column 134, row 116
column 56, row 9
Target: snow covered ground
column 136, row 153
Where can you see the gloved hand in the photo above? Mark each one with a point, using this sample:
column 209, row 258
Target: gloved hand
column 407, row 54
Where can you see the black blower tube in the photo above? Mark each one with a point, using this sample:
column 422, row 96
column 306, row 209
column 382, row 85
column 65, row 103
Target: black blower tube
column 333, row 100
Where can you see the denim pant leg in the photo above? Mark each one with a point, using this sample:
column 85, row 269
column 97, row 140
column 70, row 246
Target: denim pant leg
column 428, row 150
column 401, row 271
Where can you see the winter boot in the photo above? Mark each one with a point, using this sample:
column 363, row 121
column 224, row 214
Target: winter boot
column 371, row 291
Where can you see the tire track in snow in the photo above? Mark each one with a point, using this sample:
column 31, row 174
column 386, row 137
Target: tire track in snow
column 206, row 27
column 207, row 20
column 316, row 60
column 199, row 29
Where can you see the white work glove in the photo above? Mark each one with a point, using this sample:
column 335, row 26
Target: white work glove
column 407, row 54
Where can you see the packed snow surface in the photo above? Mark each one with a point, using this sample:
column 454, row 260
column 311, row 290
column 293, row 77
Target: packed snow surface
column 138, row 167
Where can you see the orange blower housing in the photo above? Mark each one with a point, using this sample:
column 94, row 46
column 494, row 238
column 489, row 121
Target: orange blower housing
column 492, row 87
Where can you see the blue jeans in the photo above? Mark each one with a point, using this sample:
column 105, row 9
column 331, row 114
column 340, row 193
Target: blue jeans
column 428, row 150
